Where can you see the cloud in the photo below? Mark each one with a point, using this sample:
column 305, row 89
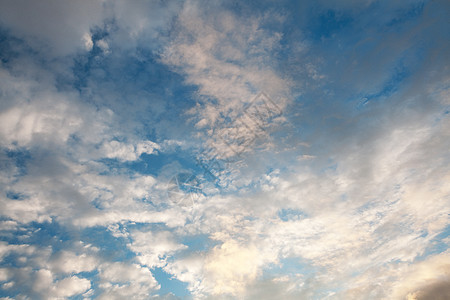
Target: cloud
column 424, row 278
column 439, row 291
column 128, row 152
column 153, row 248
column 57, row 27
column 121, row 280
column 41, row 283
column 189, row 269
column 62, row 29
column 341, row 227
column 69, row 262
column 70, row 286
column 56, row 138
column 230, row 267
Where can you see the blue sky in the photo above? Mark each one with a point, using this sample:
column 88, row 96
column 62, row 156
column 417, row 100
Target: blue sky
column 224, row 150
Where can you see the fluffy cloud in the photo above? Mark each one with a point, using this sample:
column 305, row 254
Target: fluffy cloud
column 152, row 248
column 70, row 286
column 126, row 152
column 230, row 267
column 121, row 280
column 68, row 262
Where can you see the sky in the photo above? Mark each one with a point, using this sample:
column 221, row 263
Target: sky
column 224, row 149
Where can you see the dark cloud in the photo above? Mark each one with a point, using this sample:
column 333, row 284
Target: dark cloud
column 435, row 291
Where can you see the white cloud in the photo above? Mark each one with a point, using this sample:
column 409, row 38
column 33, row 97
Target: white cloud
column 190, row 269
column 128, row 152
column 231, row 267
column 43, row 121
column 122, row 280
column 69, row 262
column 41, row 284
column 69, row 286
column 88, row 43
column 4, row 274
column 152, row 248
column 103, row 44
column 43, row 281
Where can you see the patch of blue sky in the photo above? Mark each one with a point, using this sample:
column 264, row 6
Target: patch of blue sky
column 20, row 157
column 45, row 234
column 198, row 243
column 169, row 284
column 289, row 214
column 442, row 116
column 112, row 248
column 410, row 13
column 81, row 297
column 14, row 292
column 290, row 266
column 392, row 85
column 153, row 164
column 116, row 166
column 84, row 63
column 439, row 244
column 144, row 88
column 9, row 46
column 248, row 9
column 332, row 166
column 14, row 195
column 327, row 23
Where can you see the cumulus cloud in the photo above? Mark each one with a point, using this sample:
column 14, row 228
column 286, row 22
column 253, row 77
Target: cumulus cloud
column 128, row 152
column 230, row 267
column 68, row 262
column 69, row 286
column 120, row 280
column 152, row 248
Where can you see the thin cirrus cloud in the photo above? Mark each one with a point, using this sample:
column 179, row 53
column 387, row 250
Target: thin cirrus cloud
column 312, row 139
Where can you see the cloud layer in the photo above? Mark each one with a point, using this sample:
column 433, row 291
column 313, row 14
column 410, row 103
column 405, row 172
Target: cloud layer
column 315, row 137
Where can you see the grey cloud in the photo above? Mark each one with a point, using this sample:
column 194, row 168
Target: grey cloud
column 437, row 291
column 65, row 28
column 52, row 25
